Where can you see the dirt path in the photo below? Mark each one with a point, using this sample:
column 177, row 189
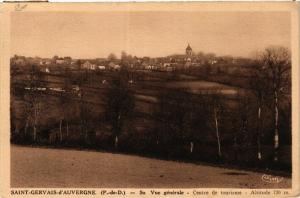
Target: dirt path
column 40, row 167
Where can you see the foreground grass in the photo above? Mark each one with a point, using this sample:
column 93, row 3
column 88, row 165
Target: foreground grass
column 44, row 167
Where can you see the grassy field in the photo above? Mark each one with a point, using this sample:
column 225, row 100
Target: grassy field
column 141, row 135
column 41, row 167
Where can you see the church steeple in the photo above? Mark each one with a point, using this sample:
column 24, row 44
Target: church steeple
column 188, row 50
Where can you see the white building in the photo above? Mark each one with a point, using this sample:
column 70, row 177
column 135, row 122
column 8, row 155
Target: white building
column 88, row 65
column 166, row 64
column 101, row 67
column 114, row 66
column 151, row 67
column 60, row 61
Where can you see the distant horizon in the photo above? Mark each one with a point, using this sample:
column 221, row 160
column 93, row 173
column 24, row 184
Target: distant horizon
column 119, row 56
column 85, row 35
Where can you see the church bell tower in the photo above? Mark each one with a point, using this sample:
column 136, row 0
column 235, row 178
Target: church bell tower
column 188, row 58
column 188, row 51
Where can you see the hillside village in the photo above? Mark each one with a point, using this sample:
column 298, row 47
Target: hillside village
column 160, row 99
column 176, row 62
column 190, row 106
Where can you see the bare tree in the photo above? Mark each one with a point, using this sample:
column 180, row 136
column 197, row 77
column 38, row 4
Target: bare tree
column 84, row 107
column 65, row 100
column 216, row 108
column 244, row 120
column 259, row 88
column 276, row 64
column 84, row 118
column 33, row 99
column 81, row 80
column 68, row 103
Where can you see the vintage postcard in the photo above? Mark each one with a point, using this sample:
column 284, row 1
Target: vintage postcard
column 149, row 99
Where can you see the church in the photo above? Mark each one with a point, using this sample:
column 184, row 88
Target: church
column 188, row 51
column 179, row 61
column 188, row 56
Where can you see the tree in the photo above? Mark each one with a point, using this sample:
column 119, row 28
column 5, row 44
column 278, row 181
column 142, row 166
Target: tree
column 33, row 99
column 85, row 116
column 172, row 115
column 259, row 88
column 119, row 106
column 126, row 60
column 207, row 69
column 65, row 102
column 216, row 109
column 210, row 56
column 196, row 121
column 182, row 118
column 54, row 58
column 244, row 121
column 276, row 66
column 78, row 64
column 13, row 120
column 84, row 109
column 112, row 57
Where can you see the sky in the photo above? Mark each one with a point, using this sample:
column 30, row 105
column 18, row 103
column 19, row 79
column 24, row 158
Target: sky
column 154, row 34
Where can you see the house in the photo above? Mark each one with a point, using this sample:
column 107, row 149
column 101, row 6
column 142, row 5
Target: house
column 114, row 66
column 101, row 67
column 144, row 65
column 151, row 67
column 166, row 64
column 117, row 67
column 88, row 65
column 68, row 60
column 170, row 68
column 93, row 67
column 148, row 67
column 212, row 62
column 45, row 62
column 59, row 61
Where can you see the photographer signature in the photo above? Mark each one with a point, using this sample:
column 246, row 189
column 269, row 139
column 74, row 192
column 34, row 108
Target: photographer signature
column 271, row 179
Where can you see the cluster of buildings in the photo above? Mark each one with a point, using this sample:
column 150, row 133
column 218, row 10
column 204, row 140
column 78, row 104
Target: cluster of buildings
column 168, row 63
column 102, row 64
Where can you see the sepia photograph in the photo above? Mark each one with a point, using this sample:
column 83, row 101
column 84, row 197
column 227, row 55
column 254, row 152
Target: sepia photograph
column 152, row 98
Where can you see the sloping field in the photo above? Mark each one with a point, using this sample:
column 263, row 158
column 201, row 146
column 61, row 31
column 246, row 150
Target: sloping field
column 41, row 167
